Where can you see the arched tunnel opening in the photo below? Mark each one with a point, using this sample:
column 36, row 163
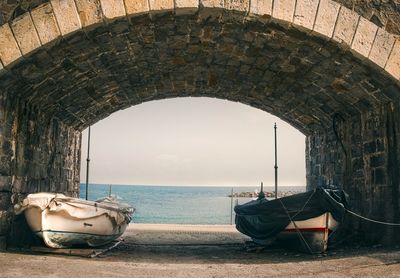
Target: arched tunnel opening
column 184, row 156
column 343, row 98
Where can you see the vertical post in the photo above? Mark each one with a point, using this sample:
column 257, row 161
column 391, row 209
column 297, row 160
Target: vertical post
column 276, row 165
column 231, row 204
column 87, row 164
column 109, row 193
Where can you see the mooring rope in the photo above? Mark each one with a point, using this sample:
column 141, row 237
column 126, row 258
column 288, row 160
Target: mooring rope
column 366, row 218
column 297, row 228
column 372, row 220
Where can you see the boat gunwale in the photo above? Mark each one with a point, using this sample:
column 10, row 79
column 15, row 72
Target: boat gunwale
column 124, row 209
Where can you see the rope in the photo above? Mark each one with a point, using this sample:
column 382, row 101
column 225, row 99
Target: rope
column 297, row 229
column 372, row 220
column 305, row 204
column 366, row 218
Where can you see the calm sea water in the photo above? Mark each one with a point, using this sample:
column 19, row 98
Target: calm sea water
column 176, row 204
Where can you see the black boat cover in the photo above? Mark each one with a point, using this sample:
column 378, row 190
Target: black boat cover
column 262, row 219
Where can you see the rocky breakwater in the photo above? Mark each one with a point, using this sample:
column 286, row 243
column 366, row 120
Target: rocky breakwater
column 268, row 194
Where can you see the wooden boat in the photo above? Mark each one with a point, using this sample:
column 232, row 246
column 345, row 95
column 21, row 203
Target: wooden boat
column 65, row 221
column 309, row 235
column 302, row 221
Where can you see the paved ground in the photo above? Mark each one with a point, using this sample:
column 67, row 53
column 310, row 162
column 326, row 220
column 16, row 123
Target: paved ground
column 200, row 251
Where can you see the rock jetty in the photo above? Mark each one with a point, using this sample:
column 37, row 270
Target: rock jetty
column 249, row 194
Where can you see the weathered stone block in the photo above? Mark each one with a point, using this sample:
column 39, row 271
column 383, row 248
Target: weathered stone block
column 186, row 6
column 346, row 26
column 136, row 7
column 5, row 222
column 381, row 48
column 3, row 243
column 5, row 200
column 378, row 176
column 284, row 10
column 238, row 5
column 20, row 185
column 66, row 15
column 364, row 37
column 89, row 12
column 9, row 50
column 212, row 3
column 161, row 5
column 5, row 165
column 113, row 8
column 261, row 7
column 45, row 23
column 25, row 33
column 377, row 160
column 5, row 183
column 326, row 17
column 306, row 11
column 393, row 63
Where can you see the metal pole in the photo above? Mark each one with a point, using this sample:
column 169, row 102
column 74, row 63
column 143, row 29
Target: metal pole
column 276, row 165
column 231, row 204
column 87, row 164
column 109, row 193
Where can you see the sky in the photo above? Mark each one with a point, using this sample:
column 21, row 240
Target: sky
column 193, row 142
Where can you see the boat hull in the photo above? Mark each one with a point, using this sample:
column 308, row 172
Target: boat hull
column 309, row 235
column 66, row 223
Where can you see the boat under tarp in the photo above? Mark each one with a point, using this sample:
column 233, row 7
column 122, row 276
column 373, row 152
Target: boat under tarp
column 301, row 221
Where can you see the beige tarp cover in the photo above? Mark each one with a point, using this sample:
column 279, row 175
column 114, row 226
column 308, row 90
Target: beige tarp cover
column 77, row 208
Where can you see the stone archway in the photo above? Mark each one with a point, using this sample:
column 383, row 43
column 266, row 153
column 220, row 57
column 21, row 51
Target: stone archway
column 316, row 64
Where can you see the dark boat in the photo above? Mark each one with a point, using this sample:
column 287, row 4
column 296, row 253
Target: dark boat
column 302, row 221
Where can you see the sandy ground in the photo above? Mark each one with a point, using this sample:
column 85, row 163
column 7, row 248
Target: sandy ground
column 200, row 251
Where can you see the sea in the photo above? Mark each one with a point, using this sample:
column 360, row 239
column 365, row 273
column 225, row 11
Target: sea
column 177, row 204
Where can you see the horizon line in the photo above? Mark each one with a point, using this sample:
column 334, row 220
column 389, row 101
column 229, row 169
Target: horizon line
column 181, row 185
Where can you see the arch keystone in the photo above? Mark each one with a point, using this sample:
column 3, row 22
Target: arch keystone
column 393, row 63
column 364, row 37
column 381, row 48
column 186, row 6
column 89, row 12
column 161, row 5
column 212, row 3
column 306, row 11
column 113, row 8
column 66, row 15
column 9, row 50
column 136, row 7
column 45, row 23
column 346, row 26
column 261, row 7
column 25, row 33
column 284, row 9
column 237, row 5
column 326, row 17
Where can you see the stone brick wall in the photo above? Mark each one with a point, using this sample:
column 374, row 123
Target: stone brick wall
column 384, row 13
column 311, row 63
column 38, row 154
column 367, row 169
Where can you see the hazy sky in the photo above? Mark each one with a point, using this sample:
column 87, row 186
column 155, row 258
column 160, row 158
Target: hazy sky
column 193, row 141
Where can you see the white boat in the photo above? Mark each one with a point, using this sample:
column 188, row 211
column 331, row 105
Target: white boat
column 309, row 235
column 65, row 221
